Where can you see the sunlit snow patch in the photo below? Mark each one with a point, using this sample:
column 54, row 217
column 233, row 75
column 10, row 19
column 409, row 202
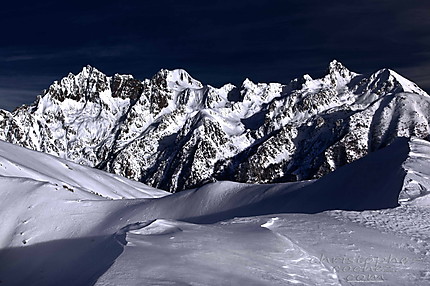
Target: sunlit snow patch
column 417, row 166
column 270, row 222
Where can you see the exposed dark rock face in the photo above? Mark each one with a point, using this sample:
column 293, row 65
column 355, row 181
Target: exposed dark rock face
column 174, row 133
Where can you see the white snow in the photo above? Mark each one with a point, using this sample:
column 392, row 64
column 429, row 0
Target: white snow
column 19, row 162
column 220, row 234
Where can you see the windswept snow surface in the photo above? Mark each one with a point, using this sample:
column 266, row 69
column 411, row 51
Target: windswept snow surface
column 223, row 233
column 20, row 162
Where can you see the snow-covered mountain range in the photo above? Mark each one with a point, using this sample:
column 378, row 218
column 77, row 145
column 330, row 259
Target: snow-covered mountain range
column 174, row 133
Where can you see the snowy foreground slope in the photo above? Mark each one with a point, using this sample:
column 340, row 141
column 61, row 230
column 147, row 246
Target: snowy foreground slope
column 90, row 183
column 224, row 233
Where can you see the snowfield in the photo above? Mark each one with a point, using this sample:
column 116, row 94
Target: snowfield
column 91, row 183
column 66, row 224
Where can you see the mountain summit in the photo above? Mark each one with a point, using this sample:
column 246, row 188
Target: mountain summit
column 173, row 132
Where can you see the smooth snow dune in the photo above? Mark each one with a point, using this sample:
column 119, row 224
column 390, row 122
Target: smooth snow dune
column 16, row 161
column 238, row 252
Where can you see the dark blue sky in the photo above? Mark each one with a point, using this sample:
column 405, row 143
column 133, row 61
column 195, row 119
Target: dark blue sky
column 215, row 41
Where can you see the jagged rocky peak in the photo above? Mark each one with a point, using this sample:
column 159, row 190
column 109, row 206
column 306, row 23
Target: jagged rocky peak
column 177, row 79
column 338, row 74
column 125, row 86
column 160, row 93
column 383, row 82
column 176, row 88
column 159, row 80
column 89, row 83
column 248, row 90
column 85, row 86
column 337, row 78
column 399, row 82
column 248, row 84
column 337, row 67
